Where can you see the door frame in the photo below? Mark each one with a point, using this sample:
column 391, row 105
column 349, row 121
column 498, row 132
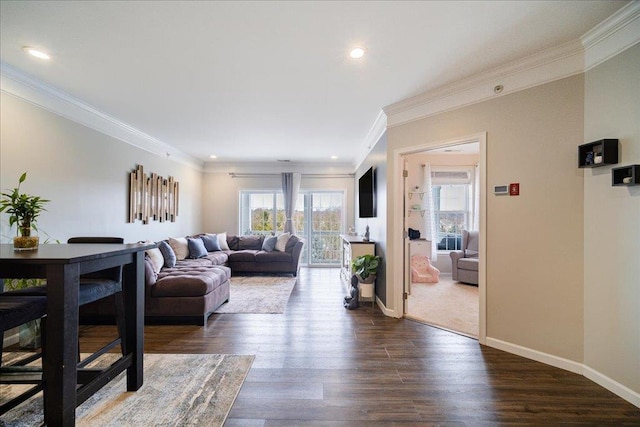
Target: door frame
column 398, row 256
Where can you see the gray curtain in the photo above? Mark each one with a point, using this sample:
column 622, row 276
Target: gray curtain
column 290, row 188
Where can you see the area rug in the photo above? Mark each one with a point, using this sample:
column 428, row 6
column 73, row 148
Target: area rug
column 447, row 304
column 258, row 294
column 178, row 390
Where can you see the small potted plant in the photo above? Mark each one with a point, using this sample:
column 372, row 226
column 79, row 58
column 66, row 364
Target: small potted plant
column 365, row 268
column 23, row 210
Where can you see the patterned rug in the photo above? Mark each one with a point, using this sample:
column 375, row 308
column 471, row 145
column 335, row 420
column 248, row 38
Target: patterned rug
column 258, row 294
column 178, row 390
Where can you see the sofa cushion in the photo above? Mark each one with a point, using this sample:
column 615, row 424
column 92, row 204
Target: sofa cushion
column 222, row 240
column 273, row 256
column 211, row 242
column 194, row 282
column 468, row 264
column 291, row 243
column 168, row 254
column 150, row 276
column 232, row 243
column 196, row 248
column 242, row 256
column 191, row 263
column 250, row 242
column 180, row 247
column 468, row 253
column 269, row 243
column 156, row 257
column 217, row 258
column 281, row 242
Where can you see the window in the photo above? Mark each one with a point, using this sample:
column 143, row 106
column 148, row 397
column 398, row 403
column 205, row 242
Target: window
column 452, row 191
column 318, row 219
column 261, row 212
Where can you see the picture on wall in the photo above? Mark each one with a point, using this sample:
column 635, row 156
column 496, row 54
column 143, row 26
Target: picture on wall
column 152, row 198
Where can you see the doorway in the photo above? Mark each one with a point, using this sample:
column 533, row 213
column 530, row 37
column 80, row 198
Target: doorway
column 445, row 238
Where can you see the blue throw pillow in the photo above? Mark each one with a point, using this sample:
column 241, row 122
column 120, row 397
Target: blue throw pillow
column 196, row 248
column 269, row 243
column 168, row 254
column 211, row 242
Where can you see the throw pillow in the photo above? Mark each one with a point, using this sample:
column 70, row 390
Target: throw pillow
column 293, row 240
column 156, row 258
column 196, row 248
column 281, row 242
column 222, row 240
column 211, row 242
column 180, row 247
column 269, row 243
column 168, row 254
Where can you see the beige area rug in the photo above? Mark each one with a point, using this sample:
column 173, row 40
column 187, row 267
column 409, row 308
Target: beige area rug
column 447, row 304
column 178, row 390
column 258, row 294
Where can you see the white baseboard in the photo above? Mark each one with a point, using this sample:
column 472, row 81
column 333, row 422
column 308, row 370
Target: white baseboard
column 387, row 311
column 613, row 386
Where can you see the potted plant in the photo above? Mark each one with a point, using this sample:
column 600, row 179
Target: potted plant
column 23, row 210
column 365, row 268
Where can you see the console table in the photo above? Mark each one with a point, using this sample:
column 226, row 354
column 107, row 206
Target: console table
column 352, row 248
column 62, row 266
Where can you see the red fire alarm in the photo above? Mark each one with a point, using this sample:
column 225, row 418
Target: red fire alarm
column 514, row 189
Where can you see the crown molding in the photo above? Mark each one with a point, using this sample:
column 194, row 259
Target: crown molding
column 20, row 85
column 373, row 136
column 277, row 167
column 618, row 32
column 612, row 36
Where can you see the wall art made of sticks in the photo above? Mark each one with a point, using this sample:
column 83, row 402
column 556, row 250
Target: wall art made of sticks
column 152, row 198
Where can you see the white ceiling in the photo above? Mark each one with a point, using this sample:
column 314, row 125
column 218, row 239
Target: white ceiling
column 260, row 81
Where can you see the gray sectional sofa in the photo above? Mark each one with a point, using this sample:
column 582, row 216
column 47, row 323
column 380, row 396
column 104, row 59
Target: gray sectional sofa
column 186, row 283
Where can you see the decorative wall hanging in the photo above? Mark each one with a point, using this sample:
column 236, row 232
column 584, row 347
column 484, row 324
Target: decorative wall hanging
column 152, row 197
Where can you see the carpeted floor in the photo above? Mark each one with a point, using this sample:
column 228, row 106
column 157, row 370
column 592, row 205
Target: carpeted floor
column 258, row 294
column 178, row 390
column 447, row 304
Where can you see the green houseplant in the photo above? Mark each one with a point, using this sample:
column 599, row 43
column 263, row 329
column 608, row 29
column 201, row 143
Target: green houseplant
column 365, row 267
column 23, row 210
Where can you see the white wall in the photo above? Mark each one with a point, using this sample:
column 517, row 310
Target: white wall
column 85, row 175
column 612, row 225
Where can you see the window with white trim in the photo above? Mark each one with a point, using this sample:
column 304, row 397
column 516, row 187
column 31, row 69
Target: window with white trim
column 452, row 201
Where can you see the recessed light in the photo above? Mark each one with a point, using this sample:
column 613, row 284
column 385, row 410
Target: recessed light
column 357, row 52
column 37, row 53
column 213, row 156
column 334, row 157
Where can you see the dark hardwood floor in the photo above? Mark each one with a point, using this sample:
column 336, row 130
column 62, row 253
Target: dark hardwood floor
column 322, row 365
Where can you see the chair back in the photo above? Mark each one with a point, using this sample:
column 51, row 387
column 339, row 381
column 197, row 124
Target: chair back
column 470, row 243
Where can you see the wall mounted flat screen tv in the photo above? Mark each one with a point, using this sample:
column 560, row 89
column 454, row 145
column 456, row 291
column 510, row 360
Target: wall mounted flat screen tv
column 367, row 194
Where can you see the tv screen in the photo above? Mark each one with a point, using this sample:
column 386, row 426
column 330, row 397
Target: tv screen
column 367, row 194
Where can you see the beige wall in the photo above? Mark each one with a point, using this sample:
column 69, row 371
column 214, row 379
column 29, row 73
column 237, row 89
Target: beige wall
column 534, row 241
column 612, row 224
column 85, row 175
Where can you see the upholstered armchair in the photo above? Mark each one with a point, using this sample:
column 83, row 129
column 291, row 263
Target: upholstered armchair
column 464, row 263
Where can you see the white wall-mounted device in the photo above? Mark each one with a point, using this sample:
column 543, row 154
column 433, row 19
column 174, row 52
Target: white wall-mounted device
column 501, row 190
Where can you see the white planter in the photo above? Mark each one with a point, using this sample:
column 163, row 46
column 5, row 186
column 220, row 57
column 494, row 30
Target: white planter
column 366, row 290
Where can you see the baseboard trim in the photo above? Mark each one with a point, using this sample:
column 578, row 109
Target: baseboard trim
column 387, row 311
column 538, row 356
column 568, row 365
column 613, row 386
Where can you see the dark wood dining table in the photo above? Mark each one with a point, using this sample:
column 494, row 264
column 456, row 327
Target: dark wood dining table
column 65, row 387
